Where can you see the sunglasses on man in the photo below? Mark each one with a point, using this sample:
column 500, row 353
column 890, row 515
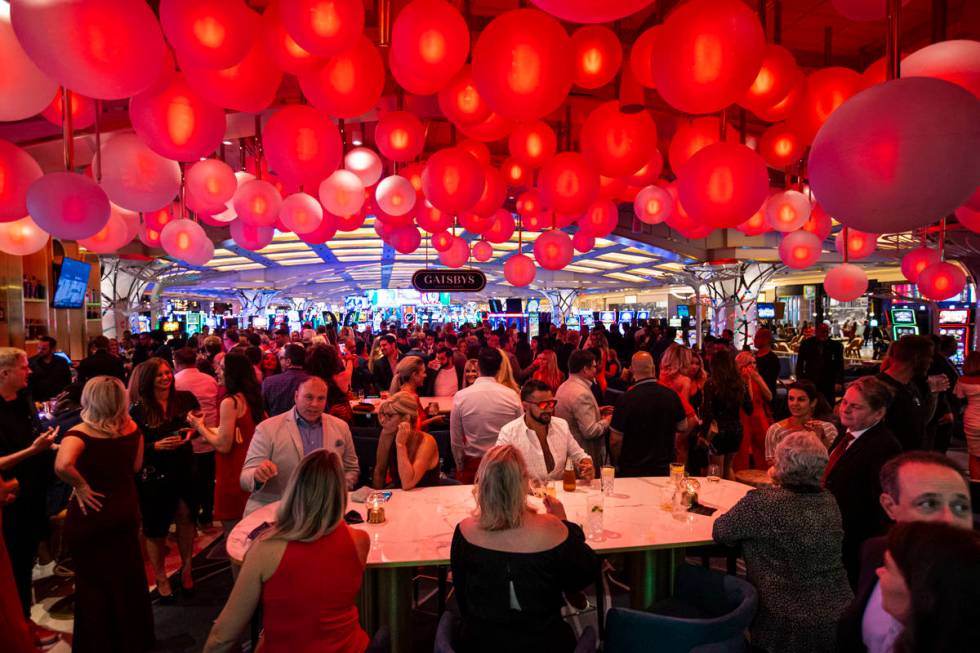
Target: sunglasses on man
column 543, row 405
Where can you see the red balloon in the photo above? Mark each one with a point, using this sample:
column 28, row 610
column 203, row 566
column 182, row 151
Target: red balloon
column 591, row 11
column 250, row 236
column 781, row 146
column 177, row 123
column 442, row 241
column 482, row 251
column 350, row 222
column 82, row 110
column 826, row 90
column 600, row 219
column 185, row 240
column 723, row 184
column 257, row 203
column 475, row 224
column 461, row 102
column 301, row 214
column 787, row 211
column 502, row 227
column 413, row 173
column 284, row 50
column 211, row 181
column 323, row 27
column 456, row 255
column 479, row 150
column 342, row 193
column 583, row 242
column 432, row 219
column 348, row 84
column 775, row 79
column 693, row 137
column 845, row 282
column 553, row 250
column 121, row 228
column 941, row 281
column 819, row 223
column 707, row 55
column 325, row 231
column 597, row 55
column 529, row 203
column 785, row 107
column 453, row 180
column 301, row 143
column 68, row 205
column 135, row 177
column 641, row 57
column 611, row 188
column 519, row 270
column 568, row 183
column 873, row 165
column 18, row 170
column 22, row 237
column 494, row 128
column 648, row 173
column 618, row 143
column 969, row 218
column 515, row 173
column 405, row 239
column 208, row 33
column 372, row 207
column 248, row 86
column 538, row 221
column 494, row 193
column 160, row 218
column 24, row 88
column 917, row 260
column 521, row 65
column 532, row 144
column 395, row 196
column 681, row 221
column 429, row 44
column 756, row 225
column 400, row 135
column 652, row 205
column 799, row 250
column 956, row 61
column 106, row 49
column 859, row 244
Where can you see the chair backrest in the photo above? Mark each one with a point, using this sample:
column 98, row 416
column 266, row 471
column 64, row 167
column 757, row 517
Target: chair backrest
column 446, row 633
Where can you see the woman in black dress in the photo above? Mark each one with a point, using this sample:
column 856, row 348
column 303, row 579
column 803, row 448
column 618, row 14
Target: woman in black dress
column 112, row 601
column 511, row 565
column 165, row 485
column 724, row 394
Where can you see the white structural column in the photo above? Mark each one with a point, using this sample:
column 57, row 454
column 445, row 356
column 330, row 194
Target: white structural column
column 561, row 300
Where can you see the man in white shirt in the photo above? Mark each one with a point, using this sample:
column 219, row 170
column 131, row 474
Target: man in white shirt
column 578, row 407
column 442, row 380
column 478, row 414
column 544, row 440
column 205, row 388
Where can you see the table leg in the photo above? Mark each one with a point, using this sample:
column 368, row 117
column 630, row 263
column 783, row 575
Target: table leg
column 651, row 575
column 386, row 600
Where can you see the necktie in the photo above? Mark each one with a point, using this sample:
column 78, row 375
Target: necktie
column 836, row 454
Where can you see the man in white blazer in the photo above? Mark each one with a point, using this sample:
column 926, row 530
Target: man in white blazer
column 281, row 442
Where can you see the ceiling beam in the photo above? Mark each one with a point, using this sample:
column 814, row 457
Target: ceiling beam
column 235, row 248
column 330, row 258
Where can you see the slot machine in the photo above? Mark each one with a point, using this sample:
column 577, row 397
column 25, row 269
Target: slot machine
column 956, row 321
column 903, row 322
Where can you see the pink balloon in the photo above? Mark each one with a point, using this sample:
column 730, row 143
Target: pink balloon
column 257, row 203
column 301, row 213
column 456, row 255
column 519, row 270
column 211, row 182
column 405, row 239
column 941, row 281
column 502, row 227
column 583, row 242
column 652, row 205
column 323, row 27
column 799, row 250
column 917, row 260
column 185, row 240
column 121, row 228
column 845, row 282
column 553, row 250
column 18, row 170
column 403, row 220
column 22, row 237
column 177, row 123
column 106, row 49
column 482, row 251
column 453, row 180
column 591, row 11
column 859, row 243
column 324, row 232
column 25, row 90
column 600, row 219
column 819, row 223
column 68, row 205
column 364, row 163
column 395, row 195
column 251, row 237
column 209, row 33
column 249, row 86
column 432, row 219
column 348, row 84
column 723, row 184
column 135, row 177
column 873, row 163
column 301, row 143
column 342, row 193
column 956, row 61
column 787, row 211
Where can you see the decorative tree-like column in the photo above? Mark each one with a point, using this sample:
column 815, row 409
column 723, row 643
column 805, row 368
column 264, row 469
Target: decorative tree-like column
column 561, row 300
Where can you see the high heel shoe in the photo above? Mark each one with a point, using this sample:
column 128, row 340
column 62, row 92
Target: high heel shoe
column 167, row 598
column 186, row 583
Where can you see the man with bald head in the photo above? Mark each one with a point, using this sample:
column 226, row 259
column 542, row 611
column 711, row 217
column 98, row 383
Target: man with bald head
column 281, row 442
column 645, row 423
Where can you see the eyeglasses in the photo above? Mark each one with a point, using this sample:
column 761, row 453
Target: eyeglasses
column 543, row 405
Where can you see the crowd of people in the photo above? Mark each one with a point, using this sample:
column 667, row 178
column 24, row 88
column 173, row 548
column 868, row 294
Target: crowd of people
column 148, row 437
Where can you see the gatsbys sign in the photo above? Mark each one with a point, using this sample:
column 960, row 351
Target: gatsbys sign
column 462, row 280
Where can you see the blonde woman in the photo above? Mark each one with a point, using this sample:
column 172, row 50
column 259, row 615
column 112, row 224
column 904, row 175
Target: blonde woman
column 416, row 459
column 99, row 458
column 505, row 375
column 547, row 370
column 511, row 564
column 285, row 570
column 471, row 372
column 674, row 366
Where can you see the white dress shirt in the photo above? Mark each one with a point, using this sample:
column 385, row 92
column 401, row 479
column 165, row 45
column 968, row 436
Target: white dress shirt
column 205, row 388
column 879, row 630
column 560, row 441
column 479, row 412
column 577, row 406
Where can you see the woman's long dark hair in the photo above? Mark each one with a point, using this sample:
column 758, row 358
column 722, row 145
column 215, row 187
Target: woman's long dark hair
column 724, row 376
column 323, row 361
column 240, row 378
column 941, row 566
column 142, row 391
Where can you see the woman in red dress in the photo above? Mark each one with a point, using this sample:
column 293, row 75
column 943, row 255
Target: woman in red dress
column 756, row 424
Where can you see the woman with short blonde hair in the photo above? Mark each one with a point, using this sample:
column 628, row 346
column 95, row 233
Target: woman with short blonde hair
column 416, row 459
column 105, row 405
column 471, row 372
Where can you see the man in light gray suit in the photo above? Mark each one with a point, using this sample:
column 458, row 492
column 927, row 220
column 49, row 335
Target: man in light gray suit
column 281, row 442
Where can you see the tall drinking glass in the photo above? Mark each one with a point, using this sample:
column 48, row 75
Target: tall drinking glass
column 676, row 473
column 593, row 519
column 608, row 479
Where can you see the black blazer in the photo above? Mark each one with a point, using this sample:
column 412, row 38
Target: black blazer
column 849, row 628
column 854, row 483
column 101, row 363
column 822, row 363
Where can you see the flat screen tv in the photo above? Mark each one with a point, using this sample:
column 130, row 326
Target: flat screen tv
column 766, row 311
column 683, row 310
column 72, row 284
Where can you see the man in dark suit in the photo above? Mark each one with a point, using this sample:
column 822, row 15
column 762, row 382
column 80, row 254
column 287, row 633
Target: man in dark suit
column 101, row 362
column 916, row 486
column 904, row 370
column 821, row 360
column 384, row 367
column 856, row 458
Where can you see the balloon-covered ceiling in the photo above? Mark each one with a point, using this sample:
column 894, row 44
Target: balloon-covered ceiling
column 557, row 142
